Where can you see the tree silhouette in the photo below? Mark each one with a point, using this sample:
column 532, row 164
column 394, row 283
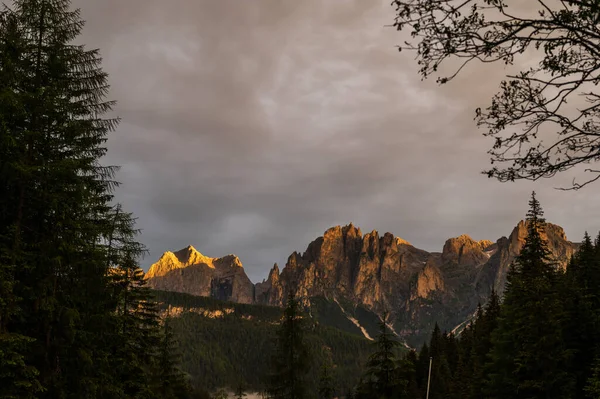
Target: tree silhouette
column 564, row 39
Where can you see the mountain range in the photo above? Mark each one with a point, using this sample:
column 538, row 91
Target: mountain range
column 361, row 276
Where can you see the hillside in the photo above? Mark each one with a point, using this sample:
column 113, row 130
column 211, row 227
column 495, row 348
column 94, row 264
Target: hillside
column 223, row 342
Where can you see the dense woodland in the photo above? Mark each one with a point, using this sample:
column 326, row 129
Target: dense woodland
column 235, row 347
column 76, row 320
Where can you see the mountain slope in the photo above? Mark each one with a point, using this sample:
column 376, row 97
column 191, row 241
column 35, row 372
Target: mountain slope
column 358, row 276
column 227, row 344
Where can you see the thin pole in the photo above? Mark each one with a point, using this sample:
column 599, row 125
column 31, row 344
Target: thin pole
column 429, row 378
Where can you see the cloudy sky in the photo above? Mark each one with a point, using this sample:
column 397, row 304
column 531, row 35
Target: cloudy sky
column 251, row 126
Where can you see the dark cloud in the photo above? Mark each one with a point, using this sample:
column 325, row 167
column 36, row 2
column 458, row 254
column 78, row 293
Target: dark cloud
column 250, row 127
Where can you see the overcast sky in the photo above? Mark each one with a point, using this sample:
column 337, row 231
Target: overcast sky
column 251, row 126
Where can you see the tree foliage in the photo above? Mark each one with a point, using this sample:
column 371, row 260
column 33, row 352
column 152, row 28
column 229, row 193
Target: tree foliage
column 291, row 360
column 539, row 340
column 75, row 318
column 545, row 118
column 529, row 355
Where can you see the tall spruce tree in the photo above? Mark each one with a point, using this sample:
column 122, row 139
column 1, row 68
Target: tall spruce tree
column 55, row 196
column 592, row 388
column 529, row 356
column 75, row 319
column 381, row 379
column 291, row 360
column 17, row 376
column 482, row 331
column 326, row 383
column 170, row 382
column 581, row 327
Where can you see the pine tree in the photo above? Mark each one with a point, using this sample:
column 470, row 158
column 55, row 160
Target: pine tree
column 55, row 196
column 171, row 382
column 407, row 372
column 441, row 375
column 481, row 346
column 239, row 391
column 381, row 379
column 581, row 329
column 291, row 360
column 422, row 366
column 75, row 318
column 592, row 388
column 136, row 337
column 326, row 385
column 17, row 377
column 529, row 355
column 220, row 394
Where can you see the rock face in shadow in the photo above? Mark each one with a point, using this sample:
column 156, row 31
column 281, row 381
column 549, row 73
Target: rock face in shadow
column 188, row 271
column 375, row 272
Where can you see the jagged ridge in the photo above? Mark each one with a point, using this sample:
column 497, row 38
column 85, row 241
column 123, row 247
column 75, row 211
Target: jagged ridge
column 376, row 272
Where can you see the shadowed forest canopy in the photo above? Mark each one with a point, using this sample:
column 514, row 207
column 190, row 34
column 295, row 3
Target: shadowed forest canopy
column 75, row 318
column 545, row 118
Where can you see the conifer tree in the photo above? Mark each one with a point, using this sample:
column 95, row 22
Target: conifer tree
column 592, row 388
column 17, row 377
column 381, row 379
column 171, row 382
column 326, row 385
column 529, row 355
column 407, row 374
column 75, row 319
column 55, row 196
column 482, row 331
column 239, row 391
column 422, row 366
column 581, row 327
column 441, row 374
column 291, row 360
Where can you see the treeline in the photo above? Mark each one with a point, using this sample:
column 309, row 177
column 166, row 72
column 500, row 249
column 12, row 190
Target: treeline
column 232, row 346
column 75, row 318
column 542, row 340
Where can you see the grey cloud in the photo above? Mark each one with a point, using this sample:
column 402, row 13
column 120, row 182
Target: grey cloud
column 250, row 127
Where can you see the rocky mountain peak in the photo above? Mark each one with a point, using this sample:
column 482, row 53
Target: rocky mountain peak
column 553, row 234
column 401, row 241
column 189, row 271
column 463, row 250
column 371, row 271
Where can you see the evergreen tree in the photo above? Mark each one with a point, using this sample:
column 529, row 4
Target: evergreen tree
column 381, row 377
column 441, row 374
column 407, row 372
column 55, row 199
column 422, row 366
column 75, row 319
column 239, row 391
column 17, row 377
column 326, row 386
column 220, row 394
column 581, row 327
column 592, row 388
column 171, row 382
column 291, row 361
column 529, row 356
column 482, row 331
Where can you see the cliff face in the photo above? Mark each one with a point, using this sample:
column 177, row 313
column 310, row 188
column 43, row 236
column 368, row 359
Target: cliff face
column 418, row 288
column 190, row 272
column 373, row 272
